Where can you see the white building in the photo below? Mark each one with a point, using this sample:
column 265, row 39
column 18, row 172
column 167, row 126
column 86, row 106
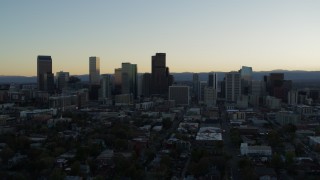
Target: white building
column 255, row 150
column 314, row 140
column 209, row 134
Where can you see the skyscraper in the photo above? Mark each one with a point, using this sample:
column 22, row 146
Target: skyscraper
column 117, row 80
column 246, row 78
column 94, row 70
column 202, row 86
column 106, row 86
column 129, row 79
column 62, row 79
column 195, row 82
column 233, row 86
column 213, row 82
column 45, row 78
column 160, row 74
column 146, row 84
column 94, row 77
column 246, row 73
column 210, row 96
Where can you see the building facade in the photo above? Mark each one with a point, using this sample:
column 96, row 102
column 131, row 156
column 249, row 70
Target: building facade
column 129, row 82
column 160, row 74
column 233, row 86
column 180, row 94
column 62, row 79
column 45, row 78
column 94, row 70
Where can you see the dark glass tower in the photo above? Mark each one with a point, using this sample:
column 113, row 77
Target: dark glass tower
column 159, row 74
column 45, row 78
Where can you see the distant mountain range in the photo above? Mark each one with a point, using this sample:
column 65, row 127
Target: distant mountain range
column 258, row 75
column 187, row 76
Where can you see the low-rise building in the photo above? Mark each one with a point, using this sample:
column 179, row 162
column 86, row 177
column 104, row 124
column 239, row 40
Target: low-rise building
column 273, row 102
column 287, row 117
column 314, row 141
column 123, row 99
column 105, row 158
column 247, row 150
column 208, row 136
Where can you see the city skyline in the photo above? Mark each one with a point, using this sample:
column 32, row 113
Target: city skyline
column 197, row 37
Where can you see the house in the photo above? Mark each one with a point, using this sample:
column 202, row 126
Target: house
column 264, row 173
column 105, row 158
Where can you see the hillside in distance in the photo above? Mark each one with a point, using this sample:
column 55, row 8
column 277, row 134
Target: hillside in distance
column 258, row 75
column 297, row 76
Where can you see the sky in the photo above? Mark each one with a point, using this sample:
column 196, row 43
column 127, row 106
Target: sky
column 197, row 36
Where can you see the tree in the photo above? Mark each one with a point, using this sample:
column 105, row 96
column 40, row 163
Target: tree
column 235, row 137
column 289, row 158
column 290, row 128
column 166, row 123
column 276, row 161
column 6, row 154
column 274, row 138
column 57, row 174
column 75, row 168
column 246, row 167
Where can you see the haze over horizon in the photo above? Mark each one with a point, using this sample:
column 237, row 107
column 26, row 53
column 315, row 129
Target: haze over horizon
column 197, row 37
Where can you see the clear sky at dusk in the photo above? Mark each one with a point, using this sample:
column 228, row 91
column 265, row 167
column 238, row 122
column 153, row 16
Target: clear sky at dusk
column 198, row 36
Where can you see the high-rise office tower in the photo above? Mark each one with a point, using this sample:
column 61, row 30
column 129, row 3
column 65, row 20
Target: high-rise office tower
column 202, row 86
column 246, row 73
column 233, row 86
column 210, row 96
column 146, row 84
column 160, row 74
column 293, row 97
column 256, row 88
column 106, row 86
column 62, row 79
column 278, row 87
column 246, row 78
column 45, row 78
column 195, row 83
column 129, row 83
column 117, row 80
column 94, row 70
column 213, row 80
